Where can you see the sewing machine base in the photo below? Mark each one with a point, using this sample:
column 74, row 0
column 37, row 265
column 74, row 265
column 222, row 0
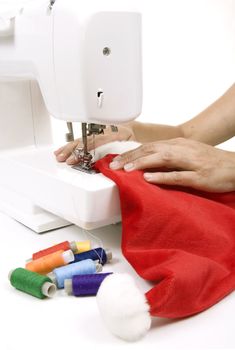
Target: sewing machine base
column 32, row 179
column 30, row 215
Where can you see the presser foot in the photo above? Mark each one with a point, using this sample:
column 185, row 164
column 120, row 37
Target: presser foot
column 84, row 169
column 85, row 161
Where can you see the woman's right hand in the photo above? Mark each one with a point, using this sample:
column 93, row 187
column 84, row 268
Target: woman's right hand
column 65, row 153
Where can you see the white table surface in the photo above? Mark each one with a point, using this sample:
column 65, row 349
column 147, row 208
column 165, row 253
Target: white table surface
column 67, row 322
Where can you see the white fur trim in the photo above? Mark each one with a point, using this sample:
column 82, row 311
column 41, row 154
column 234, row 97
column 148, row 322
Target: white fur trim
column 115, row 147
column 123, row 307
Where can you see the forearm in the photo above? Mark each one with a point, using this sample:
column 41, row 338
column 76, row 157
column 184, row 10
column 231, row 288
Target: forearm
column 216, row 123
column 154, row 132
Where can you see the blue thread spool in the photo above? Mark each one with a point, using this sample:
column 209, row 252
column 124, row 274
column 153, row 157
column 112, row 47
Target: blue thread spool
column 84, row 267
column 95, row 254
column 85, row 285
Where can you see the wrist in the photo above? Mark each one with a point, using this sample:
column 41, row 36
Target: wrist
column 229, row 170
column 182, row 133
column 129, row 125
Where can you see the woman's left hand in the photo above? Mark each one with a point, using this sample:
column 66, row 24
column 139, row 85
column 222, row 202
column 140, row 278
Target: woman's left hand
column 188, row 162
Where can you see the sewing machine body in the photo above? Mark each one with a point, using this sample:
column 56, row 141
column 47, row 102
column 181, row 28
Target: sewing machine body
column 74, row 56
column 43, row 195
column 78, row 67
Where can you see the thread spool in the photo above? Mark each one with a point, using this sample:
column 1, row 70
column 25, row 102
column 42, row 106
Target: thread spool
column 49, row 262
column 59, row 275
column 32, row 283
column 76, row 247
column 83, row 246
column 95, row 254
column 84, row 285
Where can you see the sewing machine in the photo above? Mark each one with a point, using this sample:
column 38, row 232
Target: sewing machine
column 59, row 58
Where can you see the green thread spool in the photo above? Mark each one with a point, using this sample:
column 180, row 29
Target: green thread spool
column 32, row 283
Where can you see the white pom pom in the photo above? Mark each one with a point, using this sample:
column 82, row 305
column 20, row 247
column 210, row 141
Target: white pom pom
column 123, row 307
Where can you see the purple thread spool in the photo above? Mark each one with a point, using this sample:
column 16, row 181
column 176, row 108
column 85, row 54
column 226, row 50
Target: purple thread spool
column 84, row 285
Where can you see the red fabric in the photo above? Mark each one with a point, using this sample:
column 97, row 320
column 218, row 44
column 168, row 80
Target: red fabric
column 183, row 241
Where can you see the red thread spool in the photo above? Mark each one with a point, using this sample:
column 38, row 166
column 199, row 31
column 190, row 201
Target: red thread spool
column 61, row 246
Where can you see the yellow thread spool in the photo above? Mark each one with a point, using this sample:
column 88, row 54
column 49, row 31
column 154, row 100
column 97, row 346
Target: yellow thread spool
column 83, row 246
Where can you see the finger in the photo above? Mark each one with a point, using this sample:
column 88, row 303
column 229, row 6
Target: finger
column 155, row 161
column 178, row 178
column 92, row 143
column 66, row 151
column 169, row 159
column 148, row 162
column 140, row 152
column 72, row 160
column 148, row 148
column 59, row 150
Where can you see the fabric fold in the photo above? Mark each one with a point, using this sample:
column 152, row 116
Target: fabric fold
column 179, row 239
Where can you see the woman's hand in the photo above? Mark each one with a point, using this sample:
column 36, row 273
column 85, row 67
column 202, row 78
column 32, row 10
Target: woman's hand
column 189, row 163
column 65, row 153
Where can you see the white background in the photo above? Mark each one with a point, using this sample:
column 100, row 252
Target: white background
column 189, row 61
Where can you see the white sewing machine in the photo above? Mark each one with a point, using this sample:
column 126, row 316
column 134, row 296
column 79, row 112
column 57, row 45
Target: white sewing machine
column 58, row 58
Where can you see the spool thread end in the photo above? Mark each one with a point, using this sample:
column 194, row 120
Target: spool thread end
column 68, row 256
column 99, row 267
column 68, row 287
column 52, row 277
column 109, row 255
column 49, row 289
column 73, row 247
column 10, row 274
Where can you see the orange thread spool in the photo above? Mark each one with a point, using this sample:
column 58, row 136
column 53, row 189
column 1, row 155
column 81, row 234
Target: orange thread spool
column 49, row 262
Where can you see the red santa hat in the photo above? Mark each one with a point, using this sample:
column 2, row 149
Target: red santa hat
column 181, row 240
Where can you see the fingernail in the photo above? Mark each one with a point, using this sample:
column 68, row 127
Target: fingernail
column 129, row 166
column 71, row 159
column 60, row 156
column 148, row 177
column 114, row 165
